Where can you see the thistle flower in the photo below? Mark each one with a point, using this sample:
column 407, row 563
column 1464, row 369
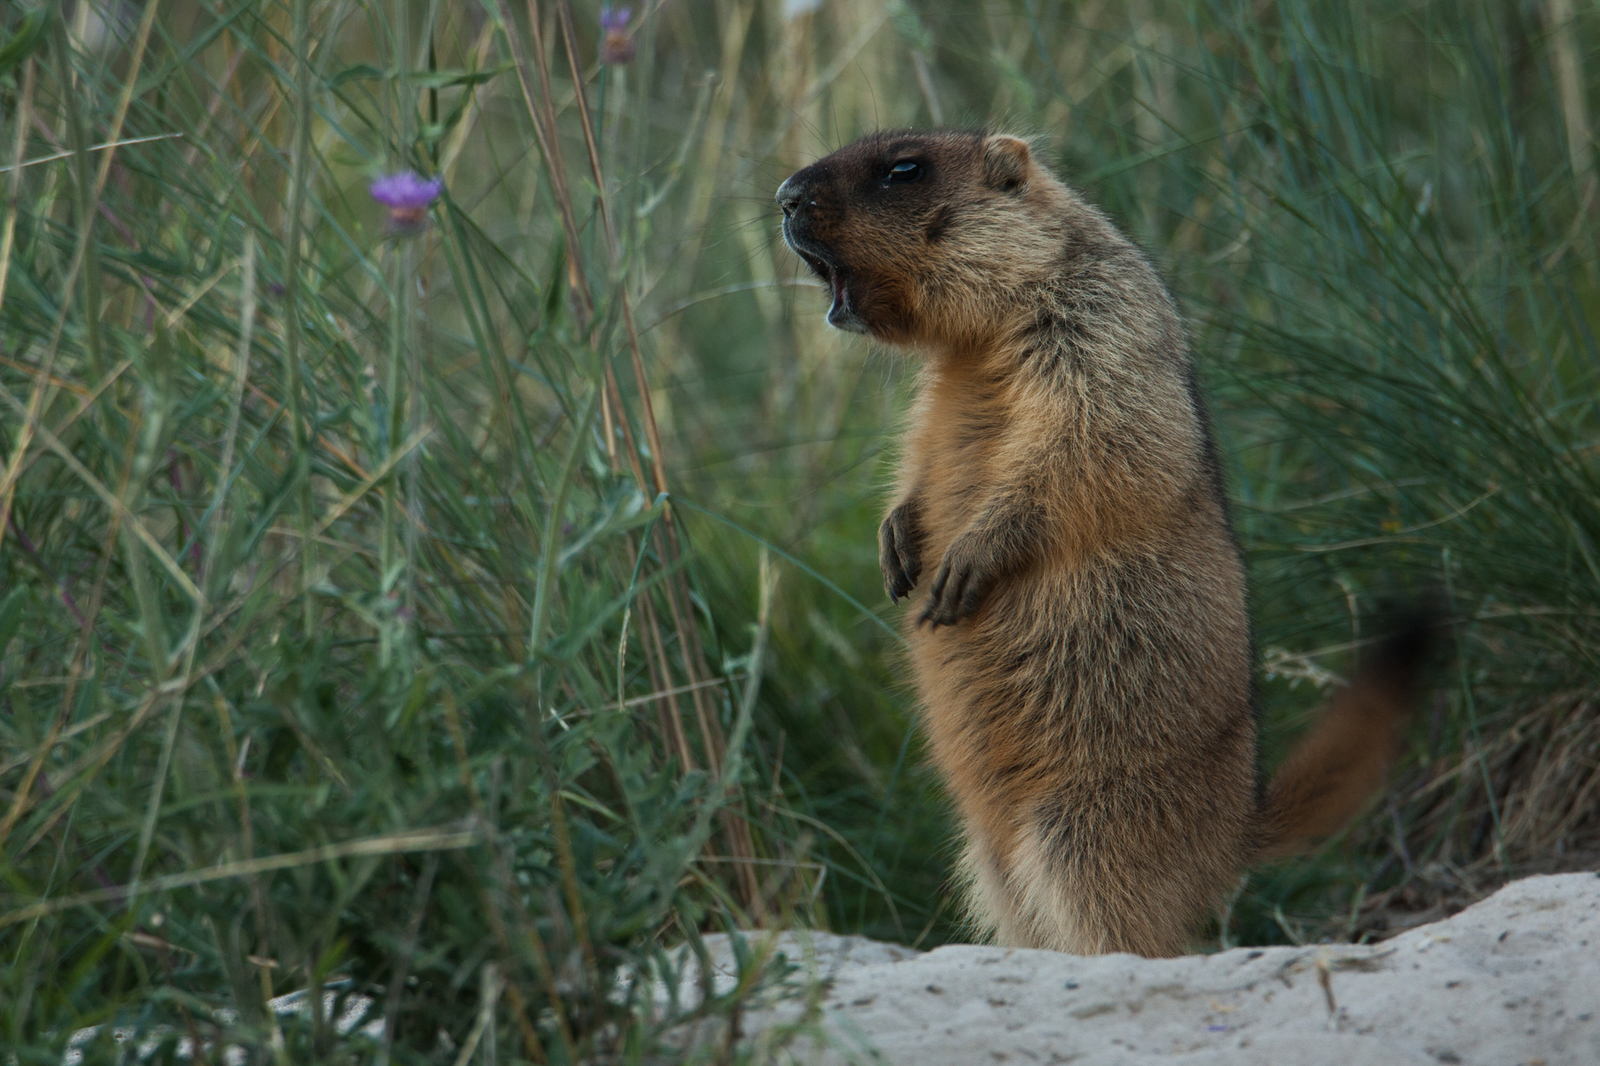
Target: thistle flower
column 407, row 197
column 617, row 46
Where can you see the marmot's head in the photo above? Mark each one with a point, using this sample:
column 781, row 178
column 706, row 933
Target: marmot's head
column 923, row 237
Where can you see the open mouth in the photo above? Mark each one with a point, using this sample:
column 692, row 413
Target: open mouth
column 841, row 314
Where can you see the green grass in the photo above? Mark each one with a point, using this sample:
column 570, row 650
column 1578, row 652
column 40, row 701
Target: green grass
column 462, row 616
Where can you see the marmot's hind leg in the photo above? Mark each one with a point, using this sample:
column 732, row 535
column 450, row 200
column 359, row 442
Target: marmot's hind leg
column 1072, row 907
column 992, row 908
column 1068, row 886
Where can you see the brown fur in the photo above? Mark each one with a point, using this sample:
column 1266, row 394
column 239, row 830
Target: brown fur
column 1078, row 628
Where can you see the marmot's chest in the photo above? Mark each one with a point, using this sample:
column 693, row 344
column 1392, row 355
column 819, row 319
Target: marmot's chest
column 956, row 435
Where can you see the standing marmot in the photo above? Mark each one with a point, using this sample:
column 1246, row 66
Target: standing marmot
column 1080, row 643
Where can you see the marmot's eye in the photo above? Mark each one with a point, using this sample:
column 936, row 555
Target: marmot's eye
column 905, row 170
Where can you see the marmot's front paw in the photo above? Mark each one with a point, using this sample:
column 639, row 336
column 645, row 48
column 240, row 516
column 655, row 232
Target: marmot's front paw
column 899, row 556
column 965, row 578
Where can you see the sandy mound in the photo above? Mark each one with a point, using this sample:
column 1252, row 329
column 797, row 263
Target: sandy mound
column 1512, row 981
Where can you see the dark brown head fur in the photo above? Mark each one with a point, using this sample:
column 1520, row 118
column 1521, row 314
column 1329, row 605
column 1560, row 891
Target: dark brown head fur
column 916, row 232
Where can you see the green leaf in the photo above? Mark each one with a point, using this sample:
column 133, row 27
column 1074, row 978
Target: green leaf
column 420, row 79
column 11, row 616
column 359, row 72
column 24, row 42
column 439, row 79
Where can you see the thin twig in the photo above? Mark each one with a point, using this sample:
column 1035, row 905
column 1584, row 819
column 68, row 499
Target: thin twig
column 437, row 839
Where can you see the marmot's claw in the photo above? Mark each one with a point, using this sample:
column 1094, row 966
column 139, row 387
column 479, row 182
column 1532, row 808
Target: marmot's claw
column 897, row 553
column 959, row 588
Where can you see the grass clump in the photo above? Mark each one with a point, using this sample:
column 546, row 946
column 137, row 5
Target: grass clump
column 349, row 636
column 455, row 614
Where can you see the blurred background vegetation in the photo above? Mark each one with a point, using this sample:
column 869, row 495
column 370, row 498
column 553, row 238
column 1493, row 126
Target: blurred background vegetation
column 456, row 613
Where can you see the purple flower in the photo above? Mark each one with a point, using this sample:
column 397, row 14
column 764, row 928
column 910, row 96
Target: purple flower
column 407, row 197
column 617, row 46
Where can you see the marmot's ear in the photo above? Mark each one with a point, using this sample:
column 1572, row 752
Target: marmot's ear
column 1005, row 161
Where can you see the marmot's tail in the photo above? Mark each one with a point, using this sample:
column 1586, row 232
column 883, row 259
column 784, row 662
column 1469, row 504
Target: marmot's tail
column 1337, row 767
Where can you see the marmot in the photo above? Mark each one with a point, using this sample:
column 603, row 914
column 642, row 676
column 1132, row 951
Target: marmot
column 1078, row 630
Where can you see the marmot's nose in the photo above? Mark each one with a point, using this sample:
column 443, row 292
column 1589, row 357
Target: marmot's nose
column 790, row 194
